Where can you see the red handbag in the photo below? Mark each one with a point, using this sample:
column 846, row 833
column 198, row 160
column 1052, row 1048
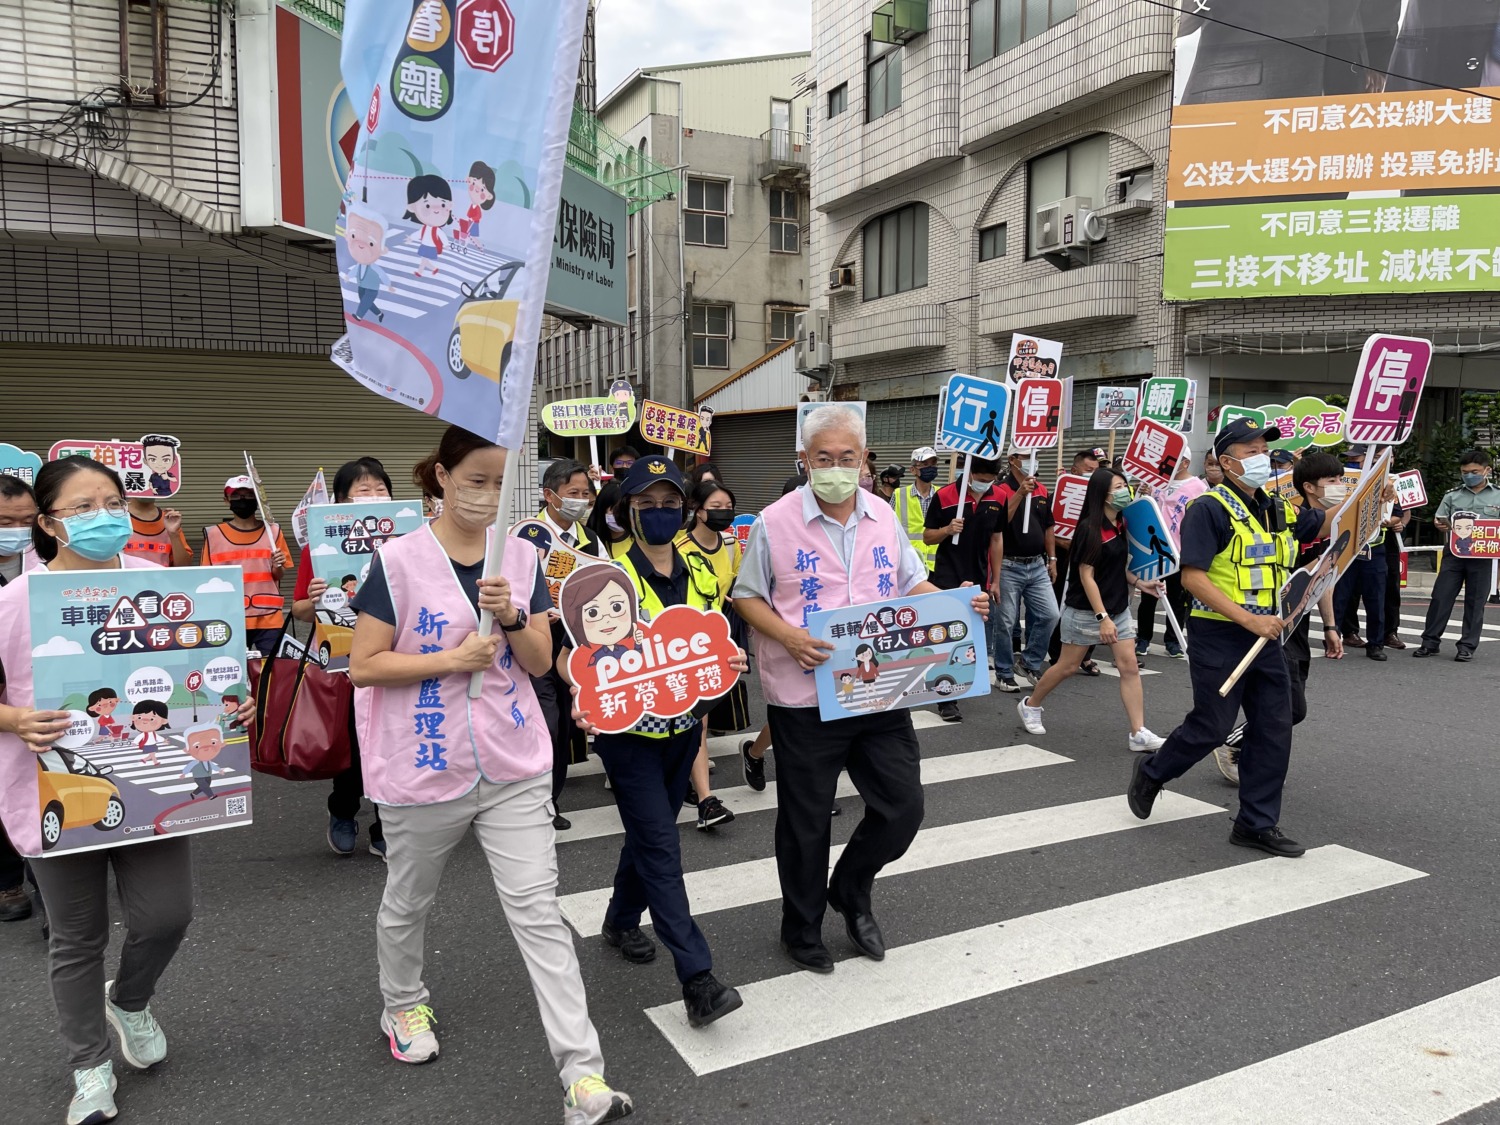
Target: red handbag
column 303, row 717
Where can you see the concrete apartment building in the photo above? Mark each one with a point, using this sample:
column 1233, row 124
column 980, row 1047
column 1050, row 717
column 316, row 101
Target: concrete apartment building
column 730, row 239
column 931, row 162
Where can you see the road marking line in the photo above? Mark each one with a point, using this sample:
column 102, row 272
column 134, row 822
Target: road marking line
column 801, row 1009
column 1423, row 1066
column 590, row 824
column 739, row 884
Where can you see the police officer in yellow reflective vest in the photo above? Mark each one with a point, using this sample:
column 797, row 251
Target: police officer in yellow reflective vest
column 1238, row 545
column 911, row 501
column 648, row 766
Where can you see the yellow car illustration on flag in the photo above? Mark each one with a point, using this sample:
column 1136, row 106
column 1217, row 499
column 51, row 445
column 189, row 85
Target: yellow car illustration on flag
column 485, row 326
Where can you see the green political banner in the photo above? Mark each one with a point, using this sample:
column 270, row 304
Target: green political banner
column 1428, row 244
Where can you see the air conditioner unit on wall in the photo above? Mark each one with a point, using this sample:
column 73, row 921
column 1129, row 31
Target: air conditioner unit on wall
column 1067, row 225
column 840, row 277
column 811, row 352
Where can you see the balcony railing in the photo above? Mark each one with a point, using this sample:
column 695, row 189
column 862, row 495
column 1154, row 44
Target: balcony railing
column 784, row 155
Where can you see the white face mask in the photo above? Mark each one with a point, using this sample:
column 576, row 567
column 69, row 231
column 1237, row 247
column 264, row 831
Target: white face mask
column 1334, row 495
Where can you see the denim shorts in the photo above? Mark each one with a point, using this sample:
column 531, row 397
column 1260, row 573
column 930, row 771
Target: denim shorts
column 1078, row 626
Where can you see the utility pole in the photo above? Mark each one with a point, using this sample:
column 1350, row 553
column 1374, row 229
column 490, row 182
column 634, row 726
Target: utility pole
column 687, row 345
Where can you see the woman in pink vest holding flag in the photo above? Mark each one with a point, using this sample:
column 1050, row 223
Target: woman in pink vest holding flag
column 824, row 546
column 440, row 764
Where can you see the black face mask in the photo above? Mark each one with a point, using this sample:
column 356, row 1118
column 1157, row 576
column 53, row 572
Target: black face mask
column 718, row 519
column 243, row 509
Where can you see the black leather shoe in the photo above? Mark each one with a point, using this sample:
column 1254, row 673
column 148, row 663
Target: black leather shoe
column 1463, row 656
column 1425, row 651
column 561, row 823
column 707, row 1000
column 1142, row 792
column 862, row 929
column 813, row 958
column 1376, row 652
column 1269, row 840
column 633, row 945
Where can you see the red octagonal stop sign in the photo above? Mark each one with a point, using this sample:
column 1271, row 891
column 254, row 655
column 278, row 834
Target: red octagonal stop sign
column 486, row 33
column 194, row 681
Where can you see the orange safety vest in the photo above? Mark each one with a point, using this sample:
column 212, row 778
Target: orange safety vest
column 153, row 546
column 263, row 600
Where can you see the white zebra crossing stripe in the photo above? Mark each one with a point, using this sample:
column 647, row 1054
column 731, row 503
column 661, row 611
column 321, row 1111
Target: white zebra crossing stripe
column 590, row 824
column 739, row 884
column 724, row 745
column 800, row 1009
column 1419, row 623
column 1422, row 1066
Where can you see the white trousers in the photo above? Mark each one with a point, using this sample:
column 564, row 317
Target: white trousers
column 513, row 823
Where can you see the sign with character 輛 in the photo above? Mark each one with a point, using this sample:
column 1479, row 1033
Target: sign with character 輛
column 149, row 663
column 922, row 649
column 634, row 671
column 342, row 542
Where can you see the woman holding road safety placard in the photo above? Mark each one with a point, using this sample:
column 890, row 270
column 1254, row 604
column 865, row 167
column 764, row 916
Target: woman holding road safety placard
column 83, row 525
column 649, row 762
column 440, row 764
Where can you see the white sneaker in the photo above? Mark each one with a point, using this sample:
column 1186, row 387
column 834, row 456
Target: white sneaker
column 410, row 1034
column 590, row 1102
column 1031, row 717
column 93, row 1096
column 141, row 1039
column 1143, row 741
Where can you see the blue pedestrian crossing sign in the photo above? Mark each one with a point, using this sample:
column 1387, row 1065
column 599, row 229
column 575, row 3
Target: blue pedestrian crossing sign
column 1153, row 553
column 974, row 415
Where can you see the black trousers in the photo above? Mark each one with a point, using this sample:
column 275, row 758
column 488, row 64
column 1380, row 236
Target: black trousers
column 1363, row 582
column 1216, row 648
column 1392, row 583
column 344, row 800
column 1474, row 576
column 12, row 866
column 884, row 762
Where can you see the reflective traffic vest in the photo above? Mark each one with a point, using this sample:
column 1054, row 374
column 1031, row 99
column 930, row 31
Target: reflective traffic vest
column 1251, row 570
column 152, row 545
column 263, row 600
column 702, row 593
column 911, row 515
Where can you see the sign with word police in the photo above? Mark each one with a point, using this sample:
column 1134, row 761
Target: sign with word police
column 1067, row 504
column 1038, row 413
column 1387, row 388
column 1168, row 401
column 150, row 666
column 1471, row 537
column 1153, row 555
column 974, row 416
column 342, row 540
column 675, row 428
column 150, row 468
column 1153, row 451
column 922, row 649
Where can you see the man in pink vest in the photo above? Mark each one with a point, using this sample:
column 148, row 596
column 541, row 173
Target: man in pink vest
column 827, row 545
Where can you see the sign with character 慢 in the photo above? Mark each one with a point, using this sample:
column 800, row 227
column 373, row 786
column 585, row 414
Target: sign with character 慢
column 908, row 652
column 150, row 468
column 1153, row 452
column 149, row 664
column 631, row 670
column 342, row 542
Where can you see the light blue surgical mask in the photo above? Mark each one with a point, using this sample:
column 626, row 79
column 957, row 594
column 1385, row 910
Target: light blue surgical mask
column 1255, row 470
column 1473, row 480
column 98, row 535
column 14, row 540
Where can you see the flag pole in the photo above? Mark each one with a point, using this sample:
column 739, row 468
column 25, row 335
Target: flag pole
column 494, row 555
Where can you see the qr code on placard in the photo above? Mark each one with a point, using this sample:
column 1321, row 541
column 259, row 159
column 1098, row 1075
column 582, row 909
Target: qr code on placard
column 236, row 806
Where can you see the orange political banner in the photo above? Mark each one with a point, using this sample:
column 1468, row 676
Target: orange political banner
column 1447, row 140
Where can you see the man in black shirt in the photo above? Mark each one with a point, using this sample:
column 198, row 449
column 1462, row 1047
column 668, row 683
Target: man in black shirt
column 974, row 520
column 1027, row 572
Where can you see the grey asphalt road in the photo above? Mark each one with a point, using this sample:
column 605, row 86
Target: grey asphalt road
column 271, row 1006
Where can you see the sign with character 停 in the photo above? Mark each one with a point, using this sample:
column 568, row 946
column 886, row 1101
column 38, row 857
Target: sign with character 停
column 150, row 468
column 342, row 542
column 922, row 649
column 1038, row 413
column 1153, row 452
column 1387, row 388
column 631, row 670
column 150, row 666
column 589, row 417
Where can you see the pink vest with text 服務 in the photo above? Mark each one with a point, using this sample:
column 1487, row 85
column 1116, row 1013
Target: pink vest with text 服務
column 429, row 742
column 20, row 801
column 808, row 576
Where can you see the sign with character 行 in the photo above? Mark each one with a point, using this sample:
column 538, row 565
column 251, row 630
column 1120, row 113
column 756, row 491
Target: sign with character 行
column 149, row 664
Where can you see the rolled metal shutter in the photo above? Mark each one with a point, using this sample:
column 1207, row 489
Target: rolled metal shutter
column 756, row 453
column 293, row 413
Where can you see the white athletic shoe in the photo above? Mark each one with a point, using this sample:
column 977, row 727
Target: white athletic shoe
column 141, row 1039
column 1143, row 741
column 1031, row 717
column 410, row 1034
column 93, row 1096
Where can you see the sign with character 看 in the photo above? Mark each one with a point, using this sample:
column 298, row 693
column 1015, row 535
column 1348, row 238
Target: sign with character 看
column 922, row 649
